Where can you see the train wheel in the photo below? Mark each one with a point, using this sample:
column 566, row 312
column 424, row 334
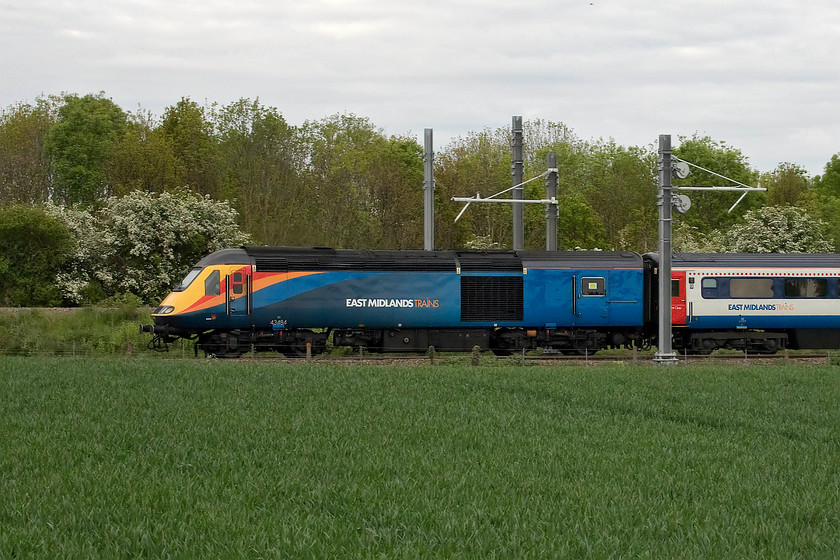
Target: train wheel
column 771, row 346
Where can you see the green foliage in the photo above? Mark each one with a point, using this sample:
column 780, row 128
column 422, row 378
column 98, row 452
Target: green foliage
column 787, row 185
column 187, row 129
column 579, row 226
column 710, row 210
column 366, row 189
column 621, row 187
column 143, row 159
column 689, row 239
column 195, row 458
column 33, row 250
column 263, row 160
column 24, row 166
column 829, row 182
column 827, row 209
column 79, row 146
column 478, row 163
column 606, row 192
column 481, row 243
column 84, row 331
column 340, row 181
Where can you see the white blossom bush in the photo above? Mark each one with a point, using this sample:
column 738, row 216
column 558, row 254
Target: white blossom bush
column 481, row 242
column 91, row 249
column 144, row 243
column 777, row 229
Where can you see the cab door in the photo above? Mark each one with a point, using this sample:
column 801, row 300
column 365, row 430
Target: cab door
column 678, row 305
column 238, row 298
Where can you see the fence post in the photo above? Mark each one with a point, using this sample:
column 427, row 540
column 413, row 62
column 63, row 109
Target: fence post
column 475, row 359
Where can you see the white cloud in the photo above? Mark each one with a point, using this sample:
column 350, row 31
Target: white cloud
column 758, row 75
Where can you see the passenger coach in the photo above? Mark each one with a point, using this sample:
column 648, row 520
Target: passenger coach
column 757, row 302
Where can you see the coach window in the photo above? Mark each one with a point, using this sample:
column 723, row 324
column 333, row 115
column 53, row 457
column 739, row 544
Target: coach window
column 806, row 287
column 709, row 288
column 675, row 287
column 593, row 286
column 211, row 285
column 751, row 288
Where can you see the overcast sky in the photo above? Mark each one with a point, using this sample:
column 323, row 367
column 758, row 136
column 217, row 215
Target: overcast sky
column 761, row 75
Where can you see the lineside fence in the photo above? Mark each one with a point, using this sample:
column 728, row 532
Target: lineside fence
column 102, row 332
column 184, row 350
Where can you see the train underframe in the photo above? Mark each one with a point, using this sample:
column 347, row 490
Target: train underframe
column 501, row 341
column 755, row 341
column 749, row 341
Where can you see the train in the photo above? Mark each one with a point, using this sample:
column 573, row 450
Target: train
column 295, row 300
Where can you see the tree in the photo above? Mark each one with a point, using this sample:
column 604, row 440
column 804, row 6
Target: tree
column 541, row 137
column 144, row 242
column 776, row 229
column 786, row 185
column 829, row 182
column 823, row 200
column 397, row 194
column 263, row 158
column 24, row 167
column 825, row 208
column 143, row 159
column 189, row 132
column 614, row 188
column 710, row 210
column 620, row 185
column 80, row 144
column 478, row 163
column 33, row 250
column 578, row 225
column 363, row 185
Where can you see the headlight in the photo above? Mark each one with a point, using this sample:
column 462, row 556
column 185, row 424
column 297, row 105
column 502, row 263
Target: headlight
column 163, row 310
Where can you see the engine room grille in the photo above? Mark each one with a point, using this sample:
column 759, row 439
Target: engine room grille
column 491, row 298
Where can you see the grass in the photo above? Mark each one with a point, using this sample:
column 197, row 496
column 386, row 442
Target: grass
column 73, row 332
column 107, row 458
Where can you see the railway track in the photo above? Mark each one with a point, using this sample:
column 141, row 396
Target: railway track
column 466, row 360
column 640, row 359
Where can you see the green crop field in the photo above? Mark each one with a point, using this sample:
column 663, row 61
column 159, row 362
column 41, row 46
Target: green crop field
column 110, row 458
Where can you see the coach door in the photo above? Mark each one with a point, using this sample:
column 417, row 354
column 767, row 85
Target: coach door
column 238, row 283
column 678, row 305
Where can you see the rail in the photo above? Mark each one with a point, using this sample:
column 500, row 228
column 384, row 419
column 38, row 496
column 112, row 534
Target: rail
column 185, row 352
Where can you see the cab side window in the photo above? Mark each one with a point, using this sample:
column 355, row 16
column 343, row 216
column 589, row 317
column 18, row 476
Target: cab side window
column 211, row 284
